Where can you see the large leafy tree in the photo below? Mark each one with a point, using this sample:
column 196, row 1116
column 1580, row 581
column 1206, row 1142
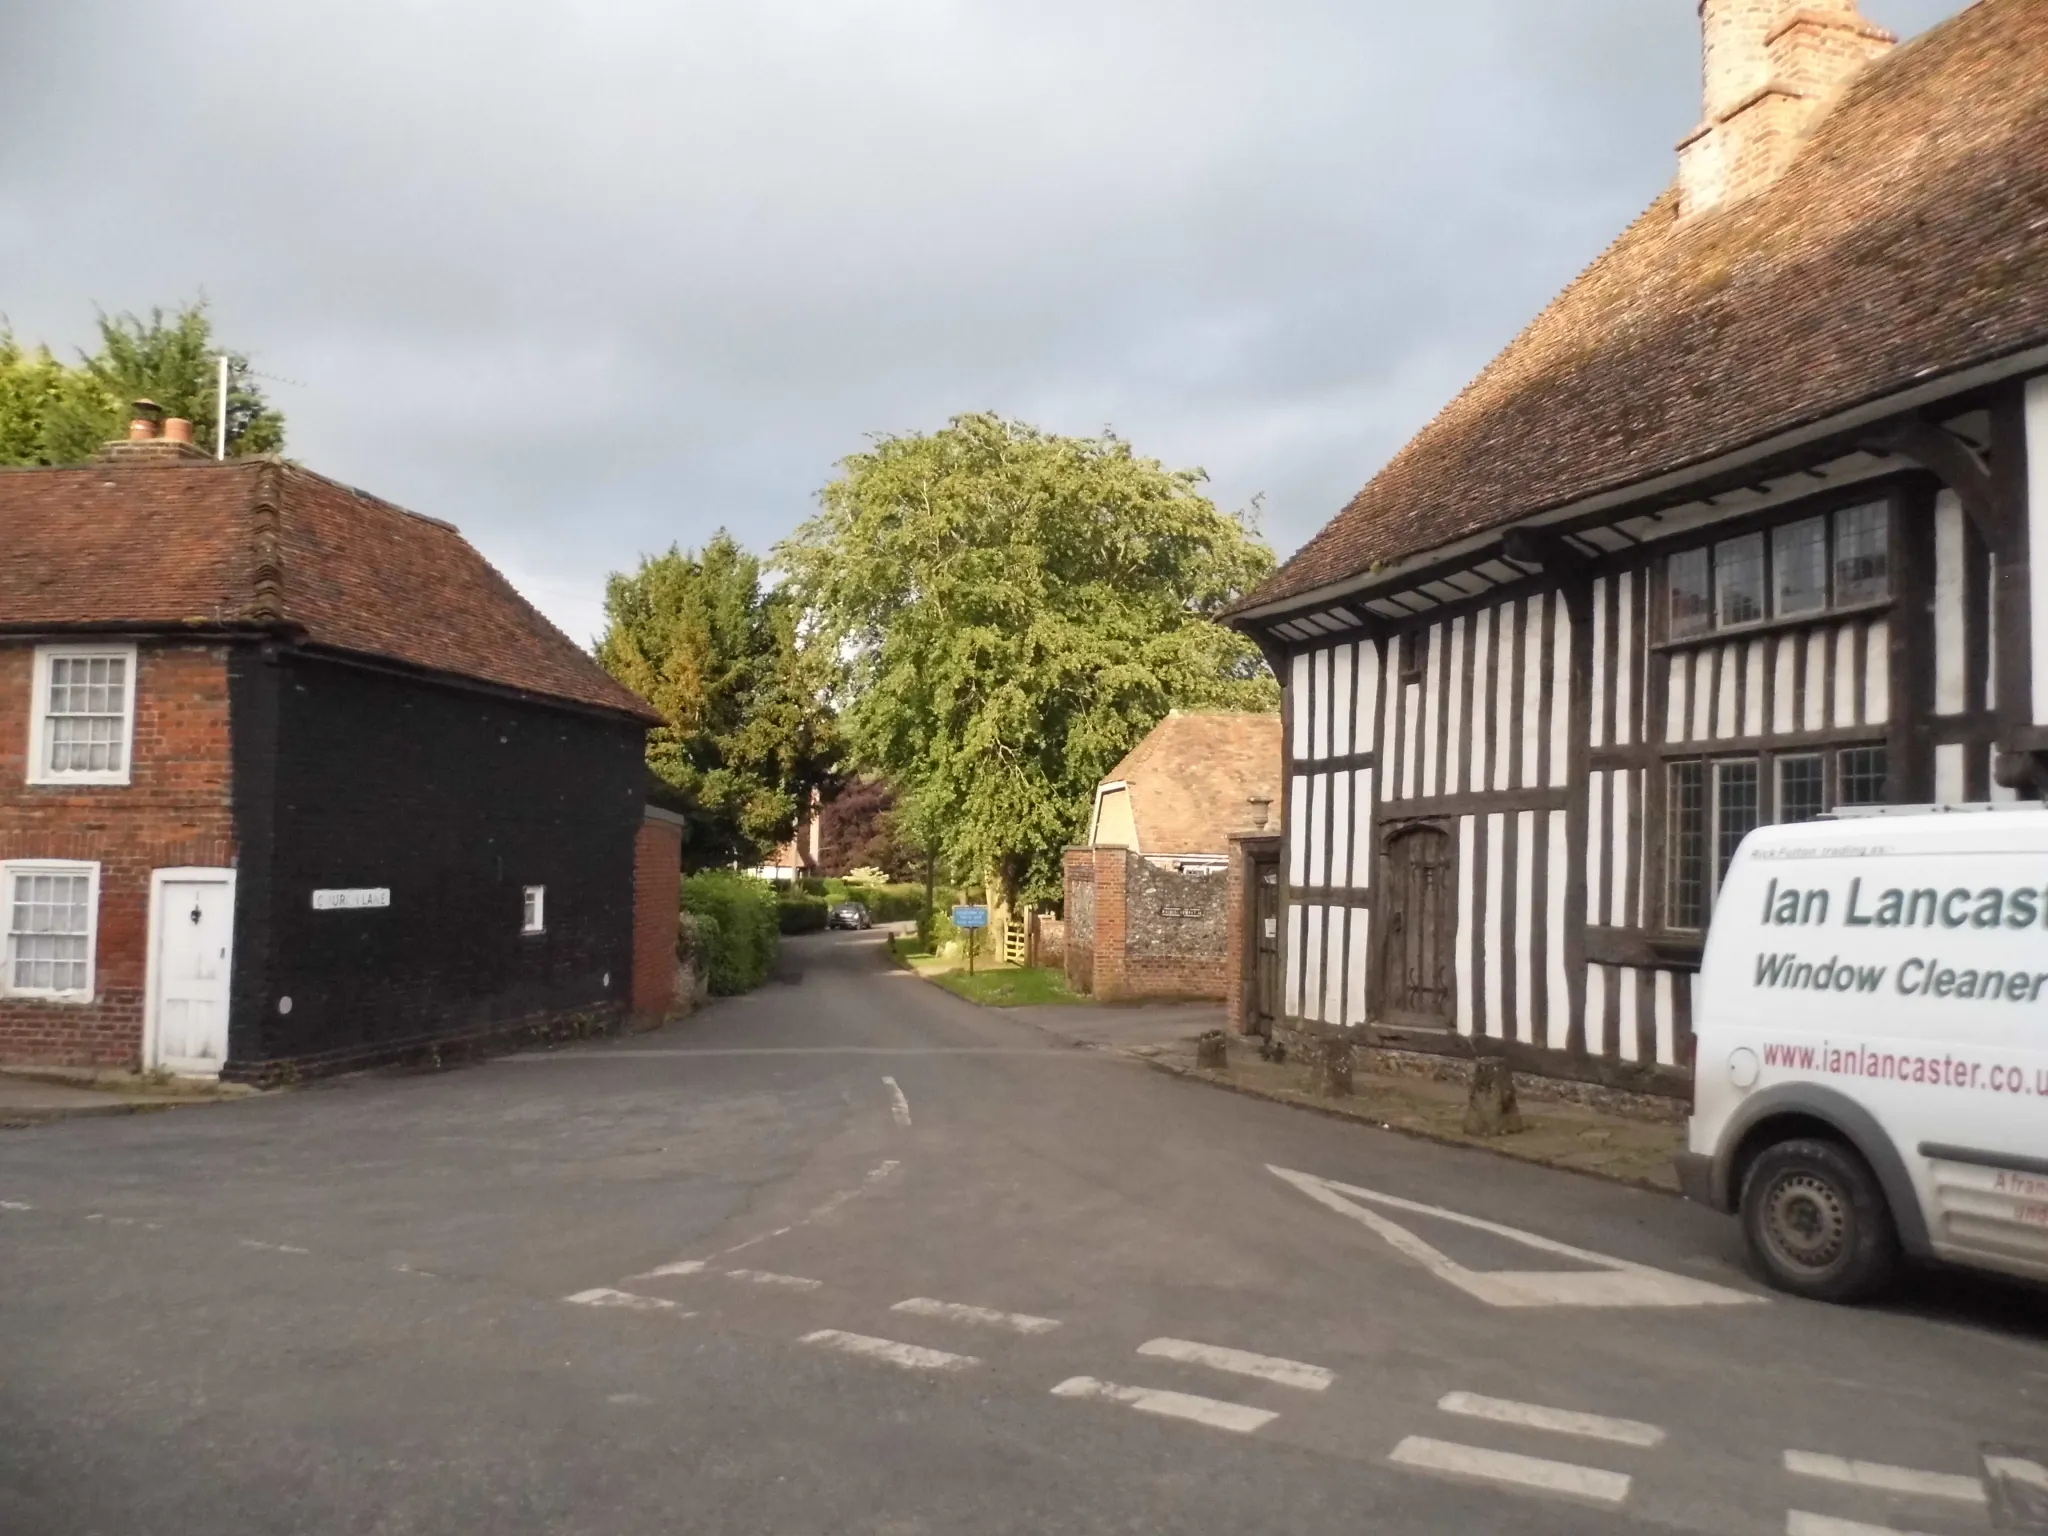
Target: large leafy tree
column 1013, row 611
column 56, row 413
column 698, row 635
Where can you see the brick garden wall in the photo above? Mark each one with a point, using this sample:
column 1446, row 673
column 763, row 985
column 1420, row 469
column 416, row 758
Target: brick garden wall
column 175, row 811
column 657, row 896
column 1152, row 931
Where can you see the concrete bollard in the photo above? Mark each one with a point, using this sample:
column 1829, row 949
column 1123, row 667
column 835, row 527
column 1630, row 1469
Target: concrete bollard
column 1491, row 1110
column 1212, row 1050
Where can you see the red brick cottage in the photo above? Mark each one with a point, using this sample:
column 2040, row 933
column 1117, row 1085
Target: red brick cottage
column 292, row 779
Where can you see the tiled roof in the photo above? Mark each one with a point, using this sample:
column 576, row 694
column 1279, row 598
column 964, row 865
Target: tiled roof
column 1909, row 239
column 196, row 543
column 1190, row 778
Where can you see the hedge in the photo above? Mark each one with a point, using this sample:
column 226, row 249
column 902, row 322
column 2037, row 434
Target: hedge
column 737, row 928
column 803, row 914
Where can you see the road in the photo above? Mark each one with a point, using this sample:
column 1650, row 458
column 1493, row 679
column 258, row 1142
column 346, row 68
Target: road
column 660, row 1285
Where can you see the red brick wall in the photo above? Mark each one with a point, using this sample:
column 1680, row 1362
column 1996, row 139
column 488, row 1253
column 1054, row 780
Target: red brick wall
column 174, row 811
column 657, row 893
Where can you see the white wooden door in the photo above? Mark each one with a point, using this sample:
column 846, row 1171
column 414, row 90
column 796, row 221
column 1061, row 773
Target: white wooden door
column 193, row 927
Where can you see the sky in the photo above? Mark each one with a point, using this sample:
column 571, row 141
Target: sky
column 591, row 279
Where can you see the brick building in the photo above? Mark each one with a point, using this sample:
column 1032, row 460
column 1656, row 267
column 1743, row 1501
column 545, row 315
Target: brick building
column 290, row 775
column 1147, row 910
column 1738, row 531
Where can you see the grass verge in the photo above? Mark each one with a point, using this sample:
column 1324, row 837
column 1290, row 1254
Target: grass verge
column 1010, row 987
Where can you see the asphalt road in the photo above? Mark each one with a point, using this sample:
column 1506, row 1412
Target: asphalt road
column 654, row 1286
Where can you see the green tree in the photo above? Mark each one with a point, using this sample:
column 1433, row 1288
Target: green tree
column 748, row 735
column 1013, row 611
column 51, row 413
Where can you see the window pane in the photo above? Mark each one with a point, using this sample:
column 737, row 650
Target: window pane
column 87, row 716
column 1802, row 787
column 1861, row 772
column 1688, row 849
column 47, row 931
column 1739, row 580
column 1799, row 566
column 1735, row 811
column 1863, row 567
column 1691, row 613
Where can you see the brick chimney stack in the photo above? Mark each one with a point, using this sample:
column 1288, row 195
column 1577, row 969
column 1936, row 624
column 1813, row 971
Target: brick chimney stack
column 1771, row 69
column 142, row 445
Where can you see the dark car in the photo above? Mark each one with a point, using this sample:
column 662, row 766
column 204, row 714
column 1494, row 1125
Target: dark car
column 848, row 914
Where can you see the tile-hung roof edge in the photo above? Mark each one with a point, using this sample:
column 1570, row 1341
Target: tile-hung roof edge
column 1875, row 407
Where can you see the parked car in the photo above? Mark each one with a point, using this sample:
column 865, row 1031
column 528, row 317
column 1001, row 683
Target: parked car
column 848, row 914
column 1871, row 1077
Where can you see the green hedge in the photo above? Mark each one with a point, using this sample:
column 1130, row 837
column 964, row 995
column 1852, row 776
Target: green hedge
column 803, row 914
column 737, row 928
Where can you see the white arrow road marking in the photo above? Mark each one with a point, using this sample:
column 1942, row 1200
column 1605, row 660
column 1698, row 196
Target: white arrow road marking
column 2017, row 1469
column 1288, row 1373
column 1887, row 1479
column 1617, row 1283
column 1564, row 1421
column 1173, row 1405
column 911, row 1357
column 14, row 1205
column 899, row 1106
column 605, row 1296
column 987, row 1317
column 1506, row 1467
column 769, row 1277
column 1799, row 1523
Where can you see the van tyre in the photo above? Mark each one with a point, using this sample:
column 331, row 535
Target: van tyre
column 1817, row 1221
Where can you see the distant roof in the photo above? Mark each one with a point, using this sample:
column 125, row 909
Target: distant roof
column 183, row 544
column 1908, row 240
column 1190, row 778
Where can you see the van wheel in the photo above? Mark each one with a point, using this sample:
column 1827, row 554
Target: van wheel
column 1817, row 1221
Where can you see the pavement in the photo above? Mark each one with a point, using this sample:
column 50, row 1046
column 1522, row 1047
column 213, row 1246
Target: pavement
column 57, row 1093
column 851, row 1254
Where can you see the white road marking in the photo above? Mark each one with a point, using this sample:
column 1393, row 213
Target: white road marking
column 1799, row 1523
column 14, row 1205
column 911, row 1357
column 769, row 1277
column 988, row 1317
column 882, row 1170
column 1288, row 1373
column 605, row 1296
column 1616, row 1283
column 680, row 1267
column 1173, row 1405
column 899, row 1106
column 250, row 1242
column 2017, row 1469
column 1887, row 1479
column 1564, row 1421
column 874, row 1176
column 1505, row 1467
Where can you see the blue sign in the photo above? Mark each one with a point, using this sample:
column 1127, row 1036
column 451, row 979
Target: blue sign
column 970, row 917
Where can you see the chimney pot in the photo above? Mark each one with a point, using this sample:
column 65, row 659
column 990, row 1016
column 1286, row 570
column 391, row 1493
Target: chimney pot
column 177, row 430
column 141, row 430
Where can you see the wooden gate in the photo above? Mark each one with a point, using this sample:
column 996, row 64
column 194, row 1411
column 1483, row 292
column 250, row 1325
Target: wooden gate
column 1419, row 927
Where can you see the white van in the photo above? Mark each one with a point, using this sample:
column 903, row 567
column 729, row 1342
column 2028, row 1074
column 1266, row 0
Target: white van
column 1871, row 1074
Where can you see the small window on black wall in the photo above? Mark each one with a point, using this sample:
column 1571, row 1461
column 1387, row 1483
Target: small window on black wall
column 534, row 914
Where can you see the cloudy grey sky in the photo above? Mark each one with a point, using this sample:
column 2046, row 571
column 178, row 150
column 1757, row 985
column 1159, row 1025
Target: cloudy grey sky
column 589, row 277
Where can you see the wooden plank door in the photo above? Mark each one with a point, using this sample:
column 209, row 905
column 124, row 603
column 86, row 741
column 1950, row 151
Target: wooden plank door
column 1265, row 938
column 1419, row 897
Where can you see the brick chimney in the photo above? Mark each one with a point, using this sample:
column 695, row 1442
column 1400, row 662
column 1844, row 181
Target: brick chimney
column 143, row 445
column 1772, row 68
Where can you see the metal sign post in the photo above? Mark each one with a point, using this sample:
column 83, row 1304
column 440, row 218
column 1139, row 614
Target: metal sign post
column 971, row 920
